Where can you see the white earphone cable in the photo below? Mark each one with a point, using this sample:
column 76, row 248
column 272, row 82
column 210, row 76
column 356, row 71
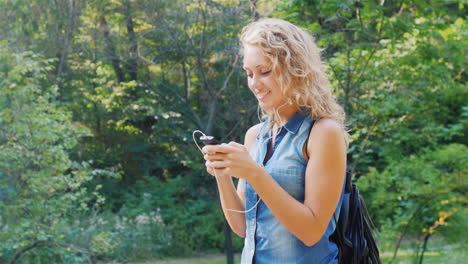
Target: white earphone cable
column 231, row 210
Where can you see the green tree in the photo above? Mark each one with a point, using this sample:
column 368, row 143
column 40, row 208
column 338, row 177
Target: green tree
column 38, row 182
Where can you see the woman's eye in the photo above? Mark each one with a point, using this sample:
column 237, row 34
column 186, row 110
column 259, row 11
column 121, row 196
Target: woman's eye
column 250, row 75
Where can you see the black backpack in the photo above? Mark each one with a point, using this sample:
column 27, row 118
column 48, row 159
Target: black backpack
column 353, row 233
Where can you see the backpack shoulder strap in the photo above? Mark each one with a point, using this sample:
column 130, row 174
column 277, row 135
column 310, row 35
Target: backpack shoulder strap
column 304, row 147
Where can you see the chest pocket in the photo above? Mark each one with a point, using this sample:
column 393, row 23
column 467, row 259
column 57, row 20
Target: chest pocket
column 290, row 178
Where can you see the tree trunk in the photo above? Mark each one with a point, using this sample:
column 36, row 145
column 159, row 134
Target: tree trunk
column 405, row 230
column 132, row 65
column 110, row 50
column 65, row 40
column 24, row 250
column 426, row 239
column 253, row 9
column 211, row 116
column 187, row 84
column 228, row 238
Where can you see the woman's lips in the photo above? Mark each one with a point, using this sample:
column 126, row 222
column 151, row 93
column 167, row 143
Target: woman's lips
column 261, row 96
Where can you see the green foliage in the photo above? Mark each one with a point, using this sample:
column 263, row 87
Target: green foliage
column 109, row 236
column 402, row 108
column 419, row 195
column 191, row 216
column 96, row 153
column 38, row 181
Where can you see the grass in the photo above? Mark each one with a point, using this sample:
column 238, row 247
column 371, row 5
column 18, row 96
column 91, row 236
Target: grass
column 207, row 259
column 438, row 254
column 450, row 255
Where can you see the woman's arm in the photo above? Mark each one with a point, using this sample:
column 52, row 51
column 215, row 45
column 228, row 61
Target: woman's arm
column 230, row 198
column 323, row 181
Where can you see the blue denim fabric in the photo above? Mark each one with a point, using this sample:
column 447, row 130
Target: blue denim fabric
column 267, row 240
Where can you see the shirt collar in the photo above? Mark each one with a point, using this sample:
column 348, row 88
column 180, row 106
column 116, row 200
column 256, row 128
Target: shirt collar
column 292, row 125
column 295, row 122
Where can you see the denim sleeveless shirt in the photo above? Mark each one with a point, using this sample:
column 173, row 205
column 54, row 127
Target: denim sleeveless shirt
column 267, row 240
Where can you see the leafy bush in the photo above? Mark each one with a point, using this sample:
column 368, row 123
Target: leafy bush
column 416, row 196
column 108, row 236
column 38, row 181
column 193, row 221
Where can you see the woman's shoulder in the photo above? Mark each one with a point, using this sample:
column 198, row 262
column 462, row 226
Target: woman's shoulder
column 325, row 131
column 253, row 131
column 251, row 135
column 327, row 125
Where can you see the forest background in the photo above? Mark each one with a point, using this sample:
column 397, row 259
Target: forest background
column 99, row 98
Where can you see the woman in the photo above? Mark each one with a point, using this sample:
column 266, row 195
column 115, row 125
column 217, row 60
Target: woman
column 291, row 176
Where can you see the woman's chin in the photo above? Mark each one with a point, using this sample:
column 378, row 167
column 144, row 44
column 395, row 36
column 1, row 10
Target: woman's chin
column 265, row 105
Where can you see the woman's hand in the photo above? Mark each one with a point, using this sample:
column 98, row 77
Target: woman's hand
column 231, row 159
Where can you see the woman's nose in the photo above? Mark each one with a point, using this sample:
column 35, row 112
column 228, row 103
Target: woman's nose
column 254, row 82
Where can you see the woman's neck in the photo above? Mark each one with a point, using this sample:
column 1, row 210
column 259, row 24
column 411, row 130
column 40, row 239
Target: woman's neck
column 284, row 114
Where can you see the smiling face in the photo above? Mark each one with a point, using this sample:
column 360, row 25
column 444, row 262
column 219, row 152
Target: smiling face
column 261, row 79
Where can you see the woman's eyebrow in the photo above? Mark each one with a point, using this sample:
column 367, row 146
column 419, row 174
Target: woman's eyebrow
column 257, row 66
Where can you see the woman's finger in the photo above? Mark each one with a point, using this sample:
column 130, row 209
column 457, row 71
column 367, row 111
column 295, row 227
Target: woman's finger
column 223, row 148
column 235, row 144
column 217, row 164
column 210, row 171
column 216, row 156
column 208, row 149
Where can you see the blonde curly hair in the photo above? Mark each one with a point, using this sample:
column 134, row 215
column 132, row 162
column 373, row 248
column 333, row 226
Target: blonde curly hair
column 296, row 63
